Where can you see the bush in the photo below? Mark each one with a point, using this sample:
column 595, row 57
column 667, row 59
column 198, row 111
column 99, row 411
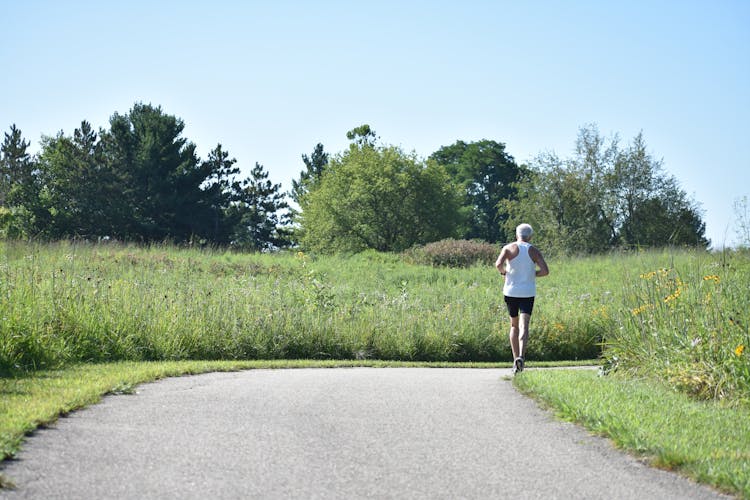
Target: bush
column 453, row 253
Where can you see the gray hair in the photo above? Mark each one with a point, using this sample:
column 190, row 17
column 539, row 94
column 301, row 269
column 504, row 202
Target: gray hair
column 524, row 231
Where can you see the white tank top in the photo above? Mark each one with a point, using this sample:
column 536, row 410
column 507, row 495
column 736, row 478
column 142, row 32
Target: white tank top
column 520, row 275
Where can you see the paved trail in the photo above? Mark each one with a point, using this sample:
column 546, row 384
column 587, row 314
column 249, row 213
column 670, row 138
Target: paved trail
column 329, row 433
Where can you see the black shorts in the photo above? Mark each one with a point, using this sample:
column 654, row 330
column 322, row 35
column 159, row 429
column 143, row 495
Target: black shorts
column 515, row 304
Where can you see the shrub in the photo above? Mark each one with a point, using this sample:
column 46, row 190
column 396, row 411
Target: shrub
column 453, row 253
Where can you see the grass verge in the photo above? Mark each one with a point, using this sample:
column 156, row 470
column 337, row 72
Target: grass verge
column 706, row 441
column 33, row 399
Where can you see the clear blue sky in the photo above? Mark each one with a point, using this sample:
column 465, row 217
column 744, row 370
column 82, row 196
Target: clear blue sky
column 269, row 80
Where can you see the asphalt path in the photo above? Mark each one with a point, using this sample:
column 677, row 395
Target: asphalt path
column 329, row 433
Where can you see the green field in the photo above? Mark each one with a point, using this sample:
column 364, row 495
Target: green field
column 66, row 303
column 681, row 316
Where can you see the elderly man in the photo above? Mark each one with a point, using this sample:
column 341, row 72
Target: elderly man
column 520, row 263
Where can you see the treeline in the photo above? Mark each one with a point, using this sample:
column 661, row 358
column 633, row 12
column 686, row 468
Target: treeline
column 141, row 180
column 604, row 196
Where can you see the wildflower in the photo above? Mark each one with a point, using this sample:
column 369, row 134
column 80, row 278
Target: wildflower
column 602, row 311
column 643, row 308
column 739, row 350
column 674, row 296
column 712, row 277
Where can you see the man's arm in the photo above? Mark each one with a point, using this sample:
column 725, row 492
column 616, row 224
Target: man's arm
column 501, row 259
column 538, row 259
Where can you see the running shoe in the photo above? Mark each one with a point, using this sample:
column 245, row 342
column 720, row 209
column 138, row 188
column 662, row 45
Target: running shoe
column 518, row 365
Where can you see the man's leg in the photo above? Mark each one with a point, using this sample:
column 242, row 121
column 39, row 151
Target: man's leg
column 523, row 334
column 514, row 344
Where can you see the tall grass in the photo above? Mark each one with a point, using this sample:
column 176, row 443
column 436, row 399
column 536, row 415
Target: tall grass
column 673, row 315
column 686, row 320
column 64, row 302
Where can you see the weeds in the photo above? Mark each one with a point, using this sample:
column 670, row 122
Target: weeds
column 688, row 324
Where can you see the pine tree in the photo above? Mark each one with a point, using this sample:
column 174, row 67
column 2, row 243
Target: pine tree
column 16, row 170
column 315, row 164
column 262, row 223
column 221, row 191
column 21, row 210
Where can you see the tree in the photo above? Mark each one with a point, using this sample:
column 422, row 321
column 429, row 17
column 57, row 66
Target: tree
column 558, row 200
column 16, row 168
column 259, row 209
column 362, row 136
column 378, row 198
column 605, row 196
column 138, row 180
column 654, row 210
column 160, row 176
column 487, row 174
column 222, row 192
column 22, row 211
column 315, row 164
column 77, row 186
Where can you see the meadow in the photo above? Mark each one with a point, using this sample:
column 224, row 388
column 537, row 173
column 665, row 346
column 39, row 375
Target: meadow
column 65, row 303
column 674, row 315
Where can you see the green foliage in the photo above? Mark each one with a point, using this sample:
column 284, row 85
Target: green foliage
column 140, row 180
column 12, row 223
column 707, row 442
column 487, row 174
column 362, row 136
column 159, row 176
column 454, row 253
column 560, row 204
column 19, row 187
column 378, row 198
column 67, row 303
column 315, row 164
column 603, row 197
column 79, row 188
column 685, row 320
column 258, row 209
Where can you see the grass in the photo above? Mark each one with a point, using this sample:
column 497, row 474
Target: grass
column 672, row 314
column 686, row 320
column 68, row 303
column 705, row 440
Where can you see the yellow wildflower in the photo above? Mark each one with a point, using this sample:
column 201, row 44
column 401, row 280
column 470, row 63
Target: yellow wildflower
column 712, row 277
column 674, row 296
column 739, row 350
column 643, row 308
